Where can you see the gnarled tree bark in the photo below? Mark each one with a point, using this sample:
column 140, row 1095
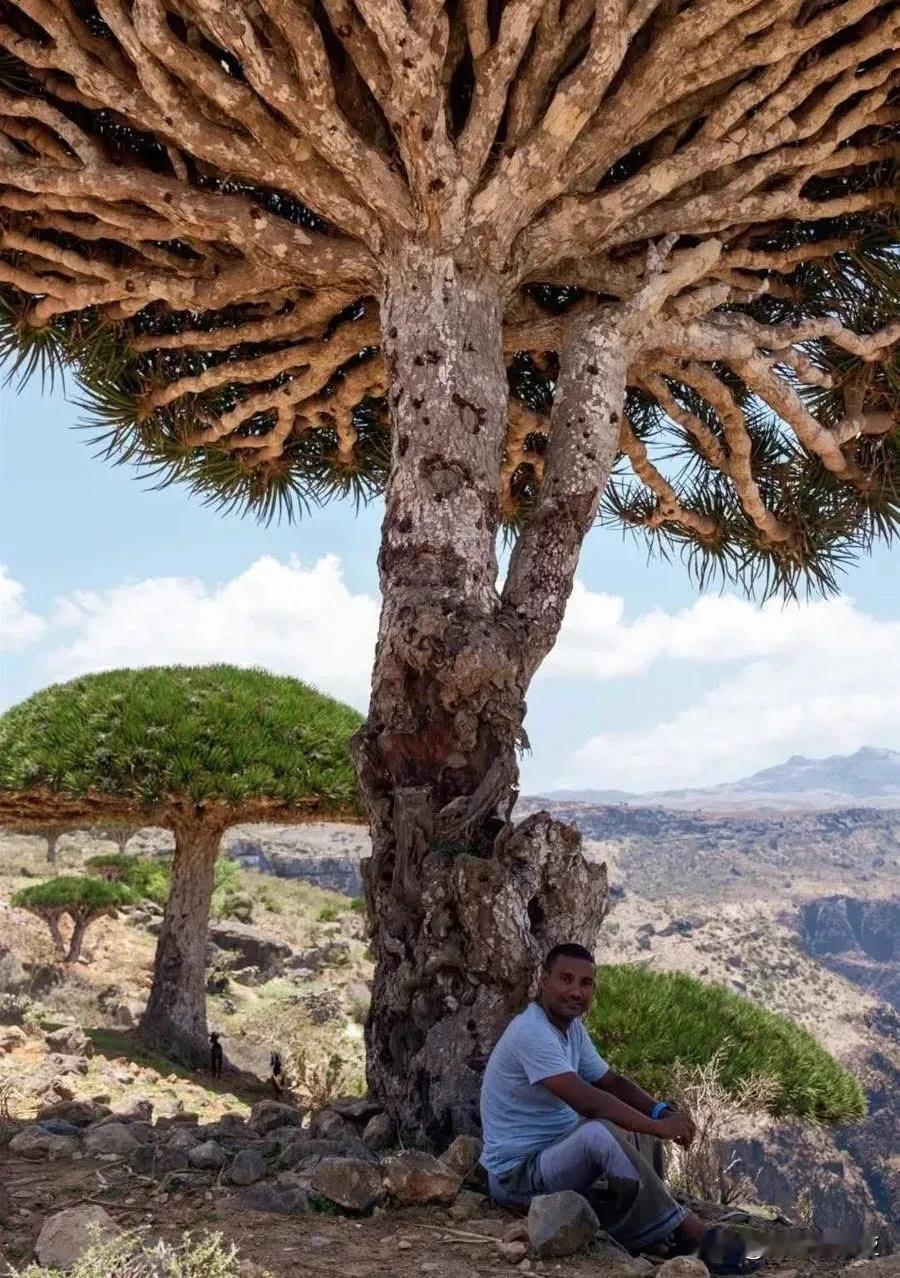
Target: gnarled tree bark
column 463, row 904
column 174, row 1020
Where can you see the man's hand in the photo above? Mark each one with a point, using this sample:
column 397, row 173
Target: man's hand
column 677, row 1127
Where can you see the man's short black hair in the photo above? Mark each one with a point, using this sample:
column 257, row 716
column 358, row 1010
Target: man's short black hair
column 567, row 950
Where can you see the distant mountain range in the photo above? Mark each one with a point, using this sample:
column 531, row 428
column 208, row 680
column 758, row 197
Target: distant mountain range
column 868, row 778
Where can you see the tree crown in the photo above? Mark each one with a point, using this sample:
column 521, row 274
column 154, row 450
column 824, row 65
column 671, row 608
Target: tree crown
column 71, row 892
column 133, row 739
column 201, row 208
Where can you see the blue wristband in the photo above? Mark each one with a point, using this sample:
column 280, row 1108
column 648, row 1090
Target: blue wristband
column 660, row 1108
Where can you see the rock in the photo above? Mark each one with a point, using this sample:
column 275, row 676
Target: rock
column 683, row 1267
column 332, row 954
column 12, row 1037
column 463, row 1155
column 69, row 1064
column 251, row 946
column 561, row 1224
column 467, row 1206
column 379, row 1132
column 414, row 1177
column 13, row 977
column 181, row 1139
column 512, row 1251
column 67, row 1234
column 5, row 1207
column 81, row 1113
column 209, row 1156
column 285, row 1196
column 266, row 1115
column 44, row 977
column 247, row 1168
column 14, row 1008
column 34, row 1142
column 249, row 976
column 516, row 1232
column 156, row 1160
column 349, row 1182
column 356, row 1108
column 59, row 1127
column 296, row 1150
column 69, row 1040
column 325, row 1124
column 110, row 1138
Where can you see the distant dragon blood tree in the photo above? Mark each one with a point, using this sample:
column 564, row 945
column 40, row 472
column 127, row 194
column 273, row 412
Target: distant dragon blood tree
column 194, row 749
column 77, row 897
column 511, row 263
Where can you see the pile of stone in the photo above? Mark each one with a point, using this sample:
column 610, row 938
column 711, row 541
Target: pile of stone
column 281, row 1160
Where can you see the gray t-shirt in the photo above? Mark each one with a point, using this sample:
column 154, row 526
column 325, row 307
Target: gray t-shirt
column 518, row 1115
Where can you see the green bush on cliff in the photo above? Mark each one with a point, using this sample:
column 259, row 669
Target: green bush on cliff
column 643, row 1022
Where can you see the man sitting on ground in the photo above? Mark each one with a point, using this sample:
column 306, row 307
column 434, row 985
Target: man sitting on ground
column 555, row 1116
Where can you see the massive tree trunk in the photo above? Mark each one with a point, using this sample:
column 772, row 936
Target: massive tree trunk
column 174, row 1020
column 463, row 904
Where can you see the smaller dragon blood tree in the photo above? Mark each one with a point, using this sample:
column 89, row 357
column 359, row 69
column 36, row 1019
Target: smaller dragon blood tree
column 192, row 749
column 80, row 898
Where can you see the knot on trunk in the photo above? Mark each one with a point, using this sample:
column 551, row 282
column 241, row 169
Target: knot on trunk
column 537, row 891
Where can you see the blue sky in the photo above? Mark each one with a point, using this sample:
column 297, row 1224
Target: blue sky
column 650, row 685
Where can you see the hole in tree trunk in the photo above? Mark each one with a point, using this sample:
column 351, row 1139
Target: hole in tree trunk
column 536, row 916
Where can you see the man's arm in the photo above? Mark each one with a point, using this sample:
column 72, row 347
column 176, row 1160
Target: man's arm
column 625, row 1090
column 593, row 1102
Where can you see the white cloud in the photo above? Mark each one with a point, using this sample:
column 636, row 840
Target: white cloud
column 289, row 618
column 18, row 627
column 597, row 643
column 813, row 679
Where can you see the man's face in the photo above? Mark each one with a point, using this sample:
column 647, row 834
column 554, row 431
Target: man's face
column 567, row 990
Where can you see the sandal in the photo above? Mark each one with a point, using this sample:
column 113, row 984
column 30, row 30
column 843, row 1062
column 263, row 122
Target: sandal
column 725, row 1253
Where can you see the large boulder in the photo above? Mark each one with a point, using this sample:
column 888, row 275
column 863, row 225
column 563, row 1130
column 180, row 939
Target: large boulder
column 36, row 1142
column 561, row 1224
column 250, row 946
column 66, row 1235
column 349, row 1182
column 412, row 1177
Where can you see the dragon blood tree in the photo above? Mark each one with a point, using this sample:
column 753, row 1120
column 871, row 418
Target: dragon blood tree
column 77, row 897
column 193, row 749
column 513, row 263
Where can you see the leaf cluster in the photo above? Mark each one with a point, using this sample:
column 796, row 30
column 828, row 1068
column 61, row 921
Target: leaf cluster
column 74, row 894
column 195, row 732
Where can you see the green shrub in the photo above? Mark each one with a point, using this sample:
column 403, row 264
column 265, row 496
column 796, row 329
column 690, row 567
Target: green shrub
column 329, row 914
column 358, row 904
column 147, row 877
column 647, row 1024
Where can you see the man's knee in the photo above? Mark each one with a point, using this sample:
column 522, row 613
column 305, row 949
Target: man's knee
column 606, row 1152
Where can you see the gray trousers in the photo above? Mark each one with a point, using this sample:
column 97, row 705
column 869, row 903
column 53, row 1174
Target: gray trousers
column 603, row 1163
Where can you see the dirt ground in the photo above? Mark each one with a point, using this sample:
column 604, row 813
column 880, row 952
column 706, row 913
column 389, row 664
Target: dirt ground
column 394, row 1243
